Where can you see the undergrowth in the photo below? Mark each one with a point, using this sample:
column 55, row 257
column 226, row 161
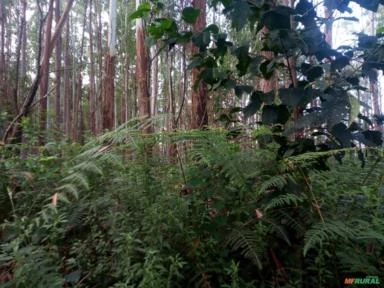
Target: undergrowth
column 216, row 213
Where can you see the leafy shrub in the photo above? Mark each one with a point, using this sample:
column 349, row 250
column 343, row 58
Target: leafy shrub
column 222, row 214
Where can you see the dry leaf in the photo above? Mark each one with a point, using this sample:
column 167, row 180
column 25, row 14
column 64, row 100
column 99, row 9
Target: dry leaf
column 55, row 197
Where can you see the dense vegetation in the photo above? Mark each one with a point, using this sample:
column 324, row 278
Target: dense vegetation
column 224, row 215
column 284, row 191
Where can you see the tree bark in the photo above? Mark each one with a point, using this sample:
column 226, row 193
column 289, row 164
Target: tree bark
column 43, row 89
column 99, row 45
column 24, row 110
column 108, row 94
column 92, row 84
column 142, row 72
column 3, row 98
column 23, row 59
column 78, row 123
column 328, row 25
column 67, row 85
column 58, row 70
column 154, row 79
column 200, row 93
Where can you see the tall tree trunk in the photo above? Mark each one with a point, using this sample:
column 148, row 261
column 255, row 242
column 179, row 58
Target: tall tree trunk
column 43, row 89
column 108, row 94
column 58, row 70
column 126, row 109
column 328, row 15
column 16, row 88
column 25, row 109
column 99, row 45
column 183, row 91
column 154, row 79
column 23, row 59
column 171, row 104
column 78, row 123
column 67, row 85
column 142, row 71
column 92, row 84
column 3, row 98
column 200, row 94
column 373, row 77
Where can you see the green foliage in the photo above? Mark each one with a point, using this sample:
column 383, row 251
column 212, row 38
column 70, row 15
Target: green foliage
column 224, row 214
column 316, row 71
column 190, row 14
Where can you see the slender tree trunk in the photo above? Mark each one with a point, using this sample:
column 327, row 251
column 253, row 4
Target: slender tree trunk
column 67, row 84
column 23, row 60
column 154, row 79
column 200, row 93
column 78, row 123
column 3, row 98
column 92, row 84
column 142, row 71
column 100, row 78
column 108, row 95
column 373, row 77
column 25, row 109
column 328, row 13
column 43, row 89
column 58, row 69
column 8, row 61
column 126, row 109
column 171, row 104
column 16, row 88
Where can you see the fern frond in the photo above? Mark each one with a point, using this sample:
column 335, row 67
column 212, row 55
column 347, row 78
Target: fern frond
column 275, row 182
column 78, row 178
column 249, row 243
column 284, row 200
column 324, row 232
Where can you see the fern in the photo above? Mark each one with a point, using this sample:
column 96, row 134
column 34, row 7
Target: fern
column 284, row 200
column 323, row 233
column 274, row 182
column 250, row 244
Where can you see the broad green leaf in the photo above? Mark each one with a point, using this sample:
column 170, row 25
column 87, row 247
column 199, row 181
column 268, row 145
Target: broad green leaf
column 141, row 11
column 214, row 29
column 241, row 89
column 243, row 59
column 254, row 104
column 275, row 114
column 239, row 14
column 190, row 14
column 354, row 108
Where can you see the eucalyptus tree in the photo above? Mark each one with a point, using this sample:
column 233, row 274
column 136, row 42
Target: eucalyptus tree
column 200, row 92
column 142, row 71
column 14, row 127
column 108, row 91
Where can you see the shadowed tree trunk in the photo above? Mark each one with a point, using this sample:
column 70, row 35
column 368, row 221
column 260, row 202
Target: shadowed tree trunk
column 58, row 70
column 67, row 84
column 17, row 85
column 99, row 45
column 373, row 77
column 142, row 71
column 154, row 79
column 3, row 98
column 200, row 93
column 78, row 121
column 23, row 48
column 92, row 84
column 25, row 109
column 328, row 14
column 43, row 88
column 108, row 92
